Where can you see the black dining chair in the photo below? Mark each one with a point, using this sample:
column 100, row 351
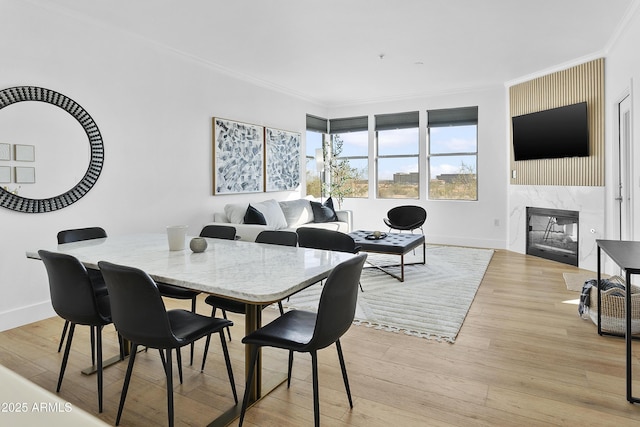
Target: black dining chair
column 330, row 240
column 177, row 292
column 74, row 299
column 307, row 332
column 276, row 237
column 272, row 237
column 406, row 218
column 226, row 232
column 141, row 317
column 76, row 235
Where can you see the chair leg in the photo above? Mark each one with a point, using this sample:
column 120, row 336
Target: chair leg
column 65, row 358
column 206, row 350
column 127, row 379
column 344, row 372
column 164, row 362
column 227, row 360
column 179, row 357
column 224, row 315
column 99, row 355
column 316, row 398
column 193, row 310
column 93, row 345
column 280, row 308
column 245, row 400
column 290, row 368
column 121, row 345
column 64, row 333
column 169, row 371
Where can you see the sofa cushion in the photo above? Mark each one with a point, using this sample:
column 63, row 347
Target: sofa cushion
column 324, row 212
column 272, row 213
column 297, row 212
column 253, row 216
column 235, row 212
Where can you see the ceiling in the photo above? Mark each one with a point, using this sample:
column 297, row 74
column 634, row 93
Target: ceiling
column 342, row 52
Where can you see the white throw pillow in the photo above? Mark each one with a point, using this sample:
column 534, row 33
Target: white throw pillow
column 272, row 213
column 297, row 212
column 235, row 212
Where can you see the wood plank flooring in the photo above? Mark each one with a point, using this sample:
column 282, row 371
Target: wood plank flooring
column 522, row 357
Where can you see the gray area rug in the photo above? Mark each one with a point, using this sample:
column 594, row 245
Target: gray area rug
column 432, row 302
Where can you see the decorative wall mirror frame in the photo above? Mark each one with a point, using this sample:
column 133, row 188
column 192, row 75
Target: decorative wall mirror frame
column 32, row 93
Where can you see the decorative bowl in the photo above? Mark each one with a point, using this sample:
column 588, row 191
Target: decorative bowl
column 198, row 244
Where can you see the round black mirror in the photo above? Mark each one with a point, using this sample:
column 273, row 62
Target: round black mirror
column 31, row 93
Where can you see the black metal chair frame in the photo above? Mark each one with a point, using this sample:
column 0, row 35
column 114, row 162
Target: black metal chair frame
column 141, row 317
column 406, row 218
column 308, row 332
column 74, row 299
column 76, row 235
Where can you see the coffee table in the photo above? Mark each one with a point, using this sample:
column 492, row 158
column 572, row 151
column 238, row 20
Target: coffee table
column 391, row 244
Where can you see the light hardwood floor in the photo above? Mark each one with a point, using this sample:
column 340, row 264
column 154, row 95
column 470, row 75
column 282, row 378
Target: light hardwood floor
column 522, row 358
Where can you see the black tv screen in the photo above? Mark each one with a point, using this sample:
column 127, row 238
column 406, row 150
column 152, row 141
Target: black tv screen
column 550, row 134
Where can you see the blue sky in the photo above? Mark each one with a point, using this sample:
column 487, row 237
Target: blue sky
column 405, row 141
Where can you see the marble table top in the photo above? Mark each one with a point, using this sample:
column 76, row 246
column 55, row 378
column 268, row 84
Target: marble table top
column 245, row 271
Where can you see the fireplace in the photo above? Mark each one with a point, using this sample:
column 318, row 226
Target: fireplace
column 553, row 234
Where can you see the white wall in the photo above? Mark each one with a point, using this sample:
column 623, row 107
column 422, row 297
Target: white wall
column 466, row 223
column 622, row 76
column 154, row 111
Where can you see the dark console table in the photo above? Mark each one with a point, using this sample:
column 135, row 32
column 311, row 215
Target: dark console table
column 627, row 256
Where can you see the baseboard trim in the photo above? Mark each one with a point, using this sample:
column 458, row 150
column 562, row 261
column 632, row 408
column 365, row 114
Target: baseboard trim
column 25, row 315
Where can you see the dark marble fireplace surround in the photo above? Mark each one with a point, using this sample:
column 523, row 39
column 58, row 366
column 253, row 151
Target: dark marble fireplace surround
column 553, row 234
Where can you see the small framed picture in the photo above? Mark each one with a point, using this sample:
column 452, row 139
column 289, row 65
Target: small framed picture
column 24, row 153
column 5, row 151
column 5, row 174
column 24, row 175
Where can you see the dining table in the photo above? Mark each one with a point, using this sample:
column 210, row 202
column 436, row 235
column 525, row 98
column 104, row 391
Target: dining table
column 253, row 273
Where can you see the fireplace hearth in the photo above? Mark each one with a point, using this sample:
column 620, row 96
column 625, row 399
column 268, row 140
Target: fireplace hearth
column 553, row 234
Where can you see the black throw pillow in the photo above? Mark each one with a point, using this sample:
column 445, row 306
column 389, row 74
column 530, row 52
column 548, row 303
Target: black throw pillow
column 254, row 216
column 323, row 212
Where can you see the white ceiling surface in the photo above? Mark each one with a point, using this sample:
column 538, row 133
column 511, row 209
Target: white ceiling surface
column 328, row 51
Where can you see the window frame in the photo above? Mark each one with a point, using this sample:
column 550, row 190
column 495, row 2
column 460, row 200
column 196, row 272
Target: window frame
column 452, row 117
column 396, row 121
column 350, row 158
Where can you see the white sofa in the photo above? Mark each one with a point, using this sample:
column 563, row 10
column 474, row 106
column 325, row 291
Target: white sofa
column 285, row 215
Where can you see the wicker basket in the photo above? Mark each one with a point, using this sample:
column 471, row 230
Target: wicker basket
column 613, row 310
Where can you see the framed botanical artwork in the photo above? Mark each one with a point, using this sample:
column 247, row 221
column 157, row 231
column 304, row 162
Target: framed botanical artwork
column 238, row 157
column 282, row 159
column 5, row 151
column 5, row 174
column 25, row 175
column 24, row 153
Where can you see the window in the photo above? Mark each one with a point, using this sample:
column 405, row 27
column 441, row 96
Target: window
column 317, row 128
column 314, row 167
column 453, row 153
column 397, row 137
column 349, row 159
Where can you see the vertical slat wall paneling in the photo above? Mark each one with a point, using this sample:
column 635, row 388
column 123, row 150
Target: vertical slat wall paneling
column 583, row 82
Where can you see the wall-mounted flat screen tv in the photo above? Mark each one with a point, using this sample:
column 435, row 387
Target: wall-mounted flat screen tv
column 549, row 134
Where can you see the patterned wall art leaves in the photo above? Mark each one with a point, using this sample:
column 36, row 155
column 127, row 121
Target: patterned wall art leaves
column 282, row 160
column 238, row 157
